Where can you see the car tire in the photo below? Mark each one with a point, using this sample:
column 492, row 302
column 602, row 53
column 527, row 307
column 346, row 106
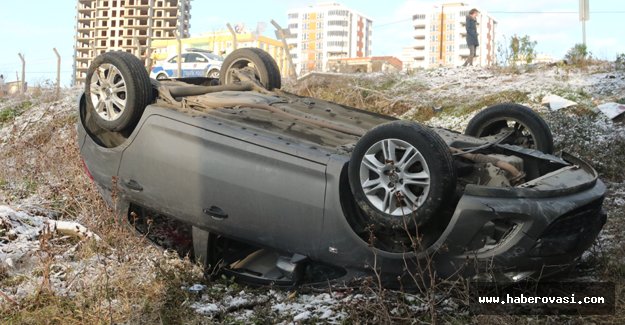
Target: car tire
column 530, row 129
column 119, row 92
column 265, row 67
column 401, row 157
column 213, row 73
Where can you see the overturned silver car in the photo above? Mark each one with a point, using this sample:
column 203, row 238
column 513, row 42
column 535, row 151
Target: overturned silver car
column 278, row 187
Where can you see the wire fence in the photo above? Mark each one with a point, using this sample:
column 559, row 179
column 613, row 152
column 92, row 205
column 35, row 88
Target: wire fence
column 19, row 86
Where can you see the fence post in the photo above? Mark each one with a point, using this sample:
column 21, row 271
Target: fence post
column 58, row 73
column 179, row 54
column 287, row 51
column 234, row 37
column 22, row 84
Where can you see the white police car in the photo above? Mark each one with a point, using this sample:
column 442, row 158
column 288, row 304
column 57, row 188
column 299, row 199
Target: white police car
column 195, row 63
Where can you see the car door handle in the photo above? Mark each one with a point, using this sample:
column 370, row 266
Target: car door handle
column 133, row 185
column 216, row 213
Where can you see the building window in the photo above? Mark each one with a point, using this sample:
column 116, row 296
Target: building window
column 319, row 25
column 293, row 26
column 338, row 13
column 320, row 45
column 337, row 33
column 450, row 37
column 293, row 16
column 336, row 43
column 418, row 17
column 337, row 23
column 319, row 35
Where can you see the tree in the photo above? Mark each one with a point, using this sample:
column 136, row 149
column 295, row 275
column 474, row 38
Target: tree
column 522, row 49
column 516, row 50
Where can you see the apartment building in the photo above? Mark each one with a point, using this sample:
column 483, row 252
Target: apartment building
column 324, row 32
column 222, row 43
column 126, row 25
column 440, row 37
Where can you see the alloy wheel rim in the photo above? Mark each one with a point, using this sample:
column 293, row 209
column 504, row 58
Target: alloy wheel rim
column 108, row 92
column 394, row 177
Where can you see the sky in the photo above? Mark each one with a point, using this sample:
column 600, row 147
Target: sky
column 35, row 27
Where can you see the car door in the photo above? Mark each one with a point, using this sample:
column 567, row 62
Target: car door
column 170, row 67
column 213, row 177
column 194, row 65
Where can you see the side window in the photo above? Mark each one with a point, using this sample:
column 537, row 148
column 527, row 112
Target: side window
column 195, row 58
column 173, row 60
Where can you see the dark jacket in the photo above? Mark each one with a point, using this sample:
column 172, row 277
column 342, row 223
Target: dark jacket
column 471, row 31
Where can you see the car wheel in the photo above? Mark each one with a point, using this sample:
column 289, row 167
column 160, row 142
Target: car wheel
column 262, row 65
column 214, row 73
column 118, row 89
column 529, row 129
column 400, row 174
column 162, row 76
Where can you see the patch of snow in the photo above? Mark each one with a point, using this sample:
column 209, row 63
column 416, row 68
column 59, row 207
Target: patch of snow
column 302, row 316
column 203, row 308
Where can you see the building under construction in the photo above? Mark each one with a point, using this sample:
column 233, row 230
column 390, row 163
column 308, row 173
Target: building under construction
column 127, row 25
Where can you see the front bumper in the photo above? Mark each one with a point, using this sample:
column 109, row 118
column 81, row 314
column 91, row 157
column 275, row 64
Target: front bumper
column 511, row 236
column 541, row 226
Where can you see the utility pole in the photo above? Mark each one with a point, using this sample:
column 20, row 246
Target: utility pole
column 234, row 36
column 58, row 73
column 584, row 15
column 287, row 51
column 23, row 85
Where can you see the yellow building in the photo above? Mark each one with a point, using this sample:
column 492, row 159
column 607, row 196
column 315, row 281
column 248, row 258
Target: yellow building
column 222, row 43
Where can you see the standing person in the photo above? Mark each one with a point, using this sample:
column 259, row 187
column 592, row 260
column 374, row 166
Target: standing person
column 1, row 85
column 472, row 42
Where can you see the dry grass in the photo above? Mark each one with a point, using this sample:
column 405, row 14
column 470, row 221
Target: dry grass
column 398, row 95
column 124, row 278
column 387, row 94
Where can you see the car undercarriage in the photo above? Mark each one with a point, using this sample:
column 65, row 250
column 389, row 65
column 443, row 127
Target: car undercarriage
column 286, row 189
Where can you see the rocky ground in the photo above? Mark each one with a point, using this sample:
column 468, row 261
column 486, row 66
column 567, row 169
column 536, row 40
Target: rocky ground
column 50, row 277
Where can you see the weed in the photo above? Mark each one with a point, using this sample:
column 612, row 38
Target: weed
column 578, row 55
column 8, row 114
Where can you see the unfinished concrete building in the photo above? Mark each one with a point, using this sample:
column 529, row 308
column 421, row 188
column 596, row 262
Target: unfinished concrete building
column 127, row 25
